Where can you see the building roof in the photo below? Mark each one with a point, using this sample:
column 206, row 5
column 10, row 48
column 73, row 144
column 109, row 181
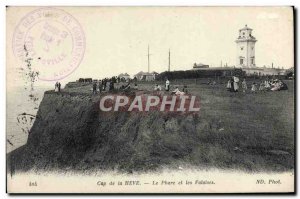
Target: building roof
column 264, row 69
column 148, row 74
column 123, row 74
column 200, row 64
column 145, row 73
column 217, row 68
column 139, row 73
column 246, row 28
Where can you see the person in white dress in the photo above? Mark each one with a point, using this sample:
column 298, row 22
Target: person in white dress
column 235, row 84
column 229, row 88
column 167, row 85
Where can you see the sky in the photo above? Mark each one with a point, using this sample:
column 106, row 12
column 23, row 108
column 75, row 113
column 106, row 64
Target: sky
column 117, row 37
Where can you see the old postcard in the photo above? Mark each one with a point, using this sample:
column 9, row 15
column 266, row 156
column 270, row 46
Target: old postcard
column 150, row 99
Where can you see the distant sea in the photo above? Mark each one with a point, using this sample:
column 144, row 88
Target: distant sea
column 18, row 101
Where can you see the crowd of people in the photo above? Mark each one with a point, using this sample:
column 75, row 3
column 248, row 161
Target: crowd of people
column 264, row 85
column 233, row 85
column 176, row 91
column 108, row 84
column 103, row 85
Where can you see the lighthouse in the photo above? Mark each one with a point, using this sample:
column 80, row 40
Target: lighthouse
column 245, row 48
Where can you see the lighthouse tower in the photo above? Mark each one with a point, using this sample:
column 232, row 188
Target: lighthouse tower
column 245, row 48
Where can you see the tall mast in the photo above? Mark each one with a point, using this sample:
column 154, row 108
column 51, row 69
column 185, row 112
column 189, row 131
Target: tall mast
column 148, row 59
column 169, row 60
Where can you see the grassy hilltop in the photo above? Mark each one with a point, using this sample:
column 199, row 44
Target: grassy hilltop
column 247, row 131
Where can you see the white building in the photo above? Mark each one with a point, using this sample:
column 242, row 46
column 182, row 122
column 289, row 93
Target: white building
column 260, row 71
column 245, row 44
column 199, row 66
column 245, row 48
column 145, row 76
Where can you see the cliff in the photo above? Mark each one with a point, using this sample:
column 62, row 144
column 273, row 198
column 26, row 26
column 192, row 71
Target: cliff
column 231, row 132
column 70, row 132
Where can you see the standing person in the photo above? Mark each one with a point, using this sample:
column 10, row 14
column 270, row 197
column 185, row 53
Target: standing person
column 232, row 85
column 244, row 85
column 111, row 85
column 229, row 85
column 100, row 86
column 103, row 84
column 56, row 87
column 107, row 85
column 59, row 85
column 94, row 88
column 167, row 85
column 235, row 84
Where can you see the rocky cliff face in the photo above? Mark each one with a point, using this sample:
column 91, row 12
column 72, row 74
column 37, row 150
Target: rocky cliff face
column 70, row 132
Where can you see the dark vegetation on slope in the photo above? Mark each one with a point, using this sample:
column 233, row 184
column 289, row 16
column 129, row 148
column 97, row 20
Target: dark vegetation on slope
column 253, row 132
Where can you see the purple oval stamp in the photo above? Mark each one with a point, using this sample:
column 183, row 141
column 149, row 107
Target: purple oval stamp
column 53, row 40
